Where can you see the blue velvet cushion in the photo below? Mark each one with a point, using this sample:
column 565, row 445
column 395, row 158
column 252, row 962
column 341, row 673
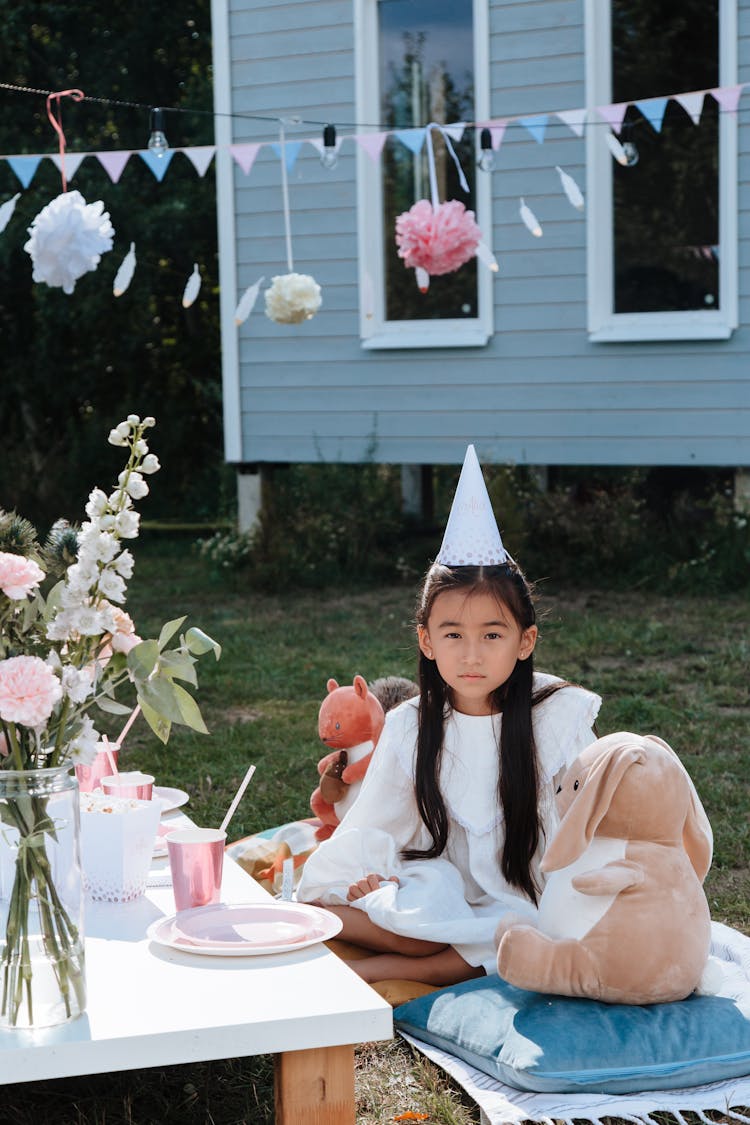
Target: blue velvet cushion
column 544, row 1043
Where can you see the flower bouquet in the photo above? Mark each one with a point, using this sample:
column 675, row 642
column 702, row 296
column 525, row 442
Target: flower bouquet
column 68, row 655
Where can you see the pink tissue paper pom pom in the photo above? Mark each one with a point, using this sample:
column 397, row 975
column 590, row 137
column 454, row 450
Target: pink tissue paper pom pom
column 18, row 576
column 29, row 690
column 438, row 241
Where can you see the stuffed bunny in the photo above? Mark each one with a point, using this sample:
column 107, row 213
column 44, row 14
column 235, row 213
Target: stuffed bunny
column 623, row 916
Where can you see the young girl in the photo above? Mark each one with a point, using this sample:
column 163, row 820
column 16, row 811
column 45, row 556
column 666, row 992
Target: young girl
column 449, row 828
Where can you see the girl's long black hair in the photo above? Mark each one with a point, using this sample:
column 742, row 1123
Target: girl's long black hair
column 518, row 786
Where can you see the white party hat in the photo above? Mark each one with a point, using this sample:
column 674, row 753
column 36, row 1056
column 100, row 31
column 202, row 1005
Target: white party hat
column 471, row 535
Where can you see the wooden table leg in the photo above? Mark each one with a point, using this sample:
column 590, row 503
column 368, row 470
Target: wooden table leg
column 315, row 1087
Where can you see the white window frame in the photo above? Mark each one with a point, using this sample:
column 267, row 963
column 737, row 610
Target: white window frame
column 604, row 325
column 375, row 330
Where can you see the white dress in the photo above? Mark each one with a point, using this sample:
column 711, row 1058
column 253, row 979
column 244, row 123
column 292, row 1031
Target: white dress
column 459, row 897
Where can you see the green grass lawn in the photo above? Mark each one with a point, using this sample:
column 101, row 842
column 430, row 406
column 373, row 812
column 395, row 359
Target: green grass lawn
column 673, row 666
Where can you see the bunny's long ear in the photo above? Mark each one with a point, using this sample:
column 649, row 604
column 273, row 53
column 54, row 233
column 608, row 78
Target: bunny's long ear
column 590, row 806
column 697, row 836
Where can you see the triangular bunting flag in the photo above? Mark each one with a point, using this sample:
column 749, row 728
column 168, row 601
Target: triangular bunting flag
column 455, row 131
column 372, row 143
column 692, row 104
column 575, row 119
column 200, row 157
column 613, row 114
column 244, row 155
column 497, row 130
column 653, row 110
column 728, row 97
column 113, row 163
column 157, row 164
column 536, row 125
column 72, row 162
column 412, row 138
column 24, row 167
column 291, row 152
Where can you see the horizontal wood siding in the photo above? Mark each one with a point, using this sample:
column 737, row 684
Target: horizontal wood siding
column 539, row 392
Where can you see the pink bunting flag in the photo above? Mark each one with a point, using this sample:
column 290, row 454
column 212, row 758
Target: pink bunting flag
column 372, row 143
column 728, row 97
column 613, row 114
column 245, row 155
column 497, row 130
column 113, row 163
column 200, row 157
column 575, row 119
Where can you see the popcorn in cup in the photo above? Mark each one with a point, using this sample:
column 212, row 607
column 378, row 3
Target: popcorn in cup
column 117, row 842
column 132, row 784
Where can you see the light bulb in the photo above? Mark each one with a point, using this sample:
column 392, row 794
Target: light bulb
column 486, row 160
column 157, row 142
column 631, row 153
column 329, row 155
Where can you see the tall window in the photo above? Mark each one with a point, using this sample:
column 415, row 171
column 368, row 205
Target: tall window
column 662, row 229
column 416, row 63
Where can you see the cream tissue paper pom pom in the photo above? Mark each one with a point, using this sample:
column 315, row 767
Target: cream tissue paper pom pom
column 68, row 238
column 292, row 298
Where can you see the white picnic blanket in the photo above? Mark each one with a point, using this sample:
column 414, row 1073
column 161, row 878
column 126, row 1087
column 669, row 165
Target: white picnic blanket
column 503, row 1105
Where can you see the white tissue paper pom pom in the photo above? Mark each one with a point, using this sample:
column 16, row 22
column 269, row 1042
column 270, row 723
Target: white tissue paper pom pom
column 292, row 298
column 68, row 238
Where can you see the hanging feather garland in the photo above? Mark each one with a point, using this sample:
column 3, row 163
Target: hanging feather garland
column 124, row 275
column 571, row 188
column 422, row 278
column 530, row 220
column 486, row 257
column 7, row 209
column 616, row 148
column 246, row 303
column 193, row 287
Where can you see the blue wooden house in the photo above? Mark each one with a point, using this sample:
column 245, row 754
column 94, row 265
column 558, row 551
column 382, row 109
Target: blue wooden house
column 617, row 336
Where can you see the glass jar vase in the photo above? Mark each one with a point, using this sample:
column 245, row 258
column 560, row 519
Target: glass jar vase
column 42, row 966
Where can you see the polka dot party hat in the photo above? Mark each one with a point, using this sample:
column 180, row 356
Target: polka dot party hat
column 471, row 535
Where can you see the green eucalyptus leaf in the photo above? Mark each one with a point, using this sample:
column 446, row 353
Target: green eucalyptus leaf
column 111, row 706
column 168, row 630
column 142, row 660
column 200, row 643
column 159, row 725
column 190, row 712
column 178, row 666
column 161, row 696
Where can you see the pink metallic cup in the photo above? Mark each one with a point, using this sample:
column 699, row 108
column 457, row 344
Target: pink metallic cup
column 196, row 858
column 133, row 784
column 90, row 777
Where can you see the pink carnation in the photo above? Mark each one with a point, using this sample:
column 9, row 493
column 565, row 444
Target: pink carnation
column 437, row 241
column 29, row 690
column 18, row 576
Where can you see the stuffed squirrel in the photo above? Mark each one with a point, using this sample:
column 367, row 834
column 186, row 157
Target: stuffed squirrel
column 350, row 721
column 623, row 916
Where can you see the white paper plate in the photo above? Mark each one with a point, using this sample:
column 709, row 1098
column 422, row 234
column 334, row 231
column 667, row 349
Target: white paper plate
column 247, row 929
column 171, row 799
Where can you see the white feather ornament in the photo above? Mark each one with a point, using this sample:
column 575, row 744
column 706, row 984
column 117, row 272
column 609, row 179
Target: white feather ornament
column 616, row 148
column 7, row 209
column 124, row 275
column 247, row 301
column 193, row 287
column 530, row 220
column 423, row 279
column 486, row 256
column 68, row 238
column 571, row 189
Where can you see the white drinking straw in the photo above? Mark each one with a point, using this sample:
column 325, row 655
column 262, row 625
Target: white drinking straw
column 237, row 799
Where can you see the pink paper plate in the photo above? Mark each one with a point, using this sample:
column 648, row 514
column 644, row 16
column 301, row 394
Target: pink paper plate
column 246, row 929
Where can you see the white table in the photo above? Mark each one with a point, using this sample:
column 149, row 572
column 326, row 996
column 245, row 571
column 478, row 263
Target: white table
column 149, row 1005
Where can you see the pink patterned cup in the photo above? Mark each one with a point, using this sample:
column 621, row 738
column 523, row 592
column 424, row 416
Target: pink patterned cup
column 90, row 777
column 196, row 859
column 132, row 784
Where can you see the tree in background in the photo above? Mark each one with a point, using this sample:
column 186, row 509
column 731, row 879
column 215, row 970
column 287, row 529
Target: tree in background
column 72, row 366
